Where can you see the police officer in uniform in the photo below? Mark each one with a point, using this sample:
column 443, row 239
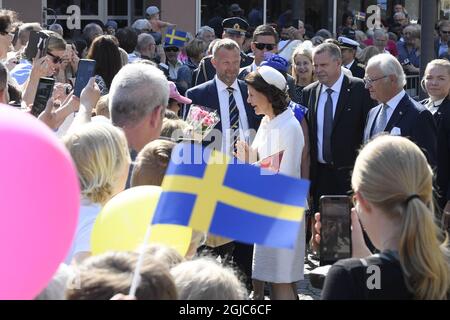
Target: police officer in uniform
column 348, row 49
column 233, row 28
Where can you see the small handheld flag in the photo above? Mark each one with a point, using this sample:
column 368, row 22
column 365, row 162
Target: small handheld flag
column 360, row 16
column 232, row 200
column 175, row 37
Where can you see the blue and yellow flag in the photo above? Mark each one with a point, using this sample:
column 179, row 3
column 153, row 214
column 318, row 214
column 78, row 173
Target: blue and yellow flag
column 232, row 200
column 175, row 37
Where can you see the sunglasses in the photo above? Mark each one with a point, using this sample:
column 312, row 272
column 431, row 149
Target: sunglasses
column 445, row 32
column 261, row 46
column 172, row 49
column 55, row 59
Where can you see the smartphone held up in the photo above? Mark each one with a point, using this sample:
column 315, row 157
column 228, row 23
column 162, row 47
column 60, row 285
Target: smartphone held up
column 335, row 232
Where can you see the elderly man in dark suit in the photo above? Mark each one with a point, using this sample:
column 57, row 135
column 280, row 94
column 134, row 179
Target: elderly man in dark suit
column 397, row 113
column 228, row 95
column 337, row 109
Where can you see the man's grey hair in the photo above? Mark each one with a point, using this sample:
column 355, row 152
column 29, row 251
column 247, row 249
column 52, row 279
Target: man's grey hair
column 332, row 49
column 136, row 90
column 389, row 65
column 204, row 29
column 91, row 31
column 144, row 40
column 379, row 33
column 228, row 44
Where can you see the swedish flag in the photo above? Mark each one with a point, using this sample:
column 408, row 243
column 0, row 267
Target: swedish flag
column 175, row 37
column 232, row 200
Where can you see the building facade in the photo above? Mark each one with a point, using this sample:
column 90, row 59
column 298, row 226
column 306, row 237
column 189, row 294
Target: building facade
column 189, row 15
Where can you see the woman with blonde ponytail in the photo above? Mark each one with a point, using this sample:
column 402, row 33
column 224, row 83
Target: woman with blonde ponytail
column 101, row 157
column 392, row 185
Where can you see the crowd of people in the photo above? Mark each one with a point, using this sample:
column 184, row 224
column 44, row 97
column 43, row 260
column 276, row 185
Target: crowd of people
column 335, row 106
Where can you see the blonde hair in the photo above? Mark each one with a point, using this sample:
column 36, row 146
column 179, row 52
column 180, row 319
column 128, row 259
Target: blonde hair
column 151, row 163
column 100, row 151
column 388, row 171
column 101, row 109
column 435, row 63
column 205, row 279
column 55, row 41
column 301, row 51
column 171, row 127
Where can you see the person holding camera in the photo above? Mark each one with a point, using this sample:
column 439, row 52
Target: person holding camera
column 394, row 204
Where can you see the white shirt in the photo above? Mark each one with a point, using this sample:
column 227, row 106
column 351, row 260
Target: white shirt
column 433, row 106
column 225, row 113
column 86, row 219
column 321, row 108
column 173, row 69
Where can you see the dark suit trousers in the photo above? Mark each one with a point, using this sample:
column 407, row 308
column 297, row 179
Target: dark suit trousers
column 330, row 181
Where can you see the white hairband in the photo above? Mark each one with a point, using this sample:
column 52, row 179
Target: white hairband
column 273, row 77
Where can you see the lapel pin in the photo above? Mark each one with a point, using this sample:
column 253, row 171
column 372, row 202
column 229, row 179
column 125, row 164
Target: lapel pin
column 400, row 113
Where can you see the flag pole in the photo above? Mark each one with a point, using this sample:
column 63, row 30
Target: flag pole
column 137, row 271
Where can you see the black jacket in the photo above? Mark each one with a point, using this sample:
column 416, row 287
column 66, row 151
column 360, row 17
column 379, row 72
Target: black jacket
column 442, row 119
column 348, row 126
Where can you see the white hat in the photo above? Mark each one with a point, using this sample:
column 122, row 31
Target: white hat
column 152, row 10
column 273, row 77
column 345, row 42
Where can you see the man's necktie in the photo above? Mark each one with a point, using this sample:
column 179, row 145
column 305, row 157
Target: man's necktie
column 234, row 118
column 327, row 128
column 381, row 121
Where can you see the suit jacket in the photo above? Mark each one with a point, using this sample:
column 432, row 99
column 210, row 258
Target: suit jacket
column 206, row 70
column 352, row 108
column 412, row 120
column 206, row 95
column 442, row 119
column 358, row 69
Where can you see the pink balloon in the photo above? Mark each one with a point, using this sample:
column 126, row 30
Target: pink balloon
column 39, row 203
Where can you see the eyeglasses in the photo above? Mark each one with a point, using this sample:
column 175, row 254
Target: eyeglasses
column 261, row 46
column 445, row 32
column 368, row 82
column 171, row 49
column 55, row 59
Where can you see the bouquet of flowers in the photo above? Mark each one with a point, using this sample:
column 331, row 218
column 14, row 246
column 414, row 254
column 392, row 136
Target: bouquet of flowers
column 201, row 121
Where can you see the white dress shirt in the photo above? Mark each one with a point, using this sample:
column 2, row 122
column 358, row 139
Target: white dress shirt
column 320, row 111
column 225, row 114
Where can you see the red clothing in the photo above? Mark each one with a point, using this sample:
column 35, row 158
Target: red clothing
column 391, row 46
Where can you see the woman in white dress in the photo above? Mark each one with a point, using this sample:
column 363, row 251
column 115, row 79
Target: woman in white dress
column 279, row 131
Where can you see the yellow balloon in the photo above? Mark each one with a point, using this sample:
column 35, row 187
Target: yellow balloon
column 123, row 222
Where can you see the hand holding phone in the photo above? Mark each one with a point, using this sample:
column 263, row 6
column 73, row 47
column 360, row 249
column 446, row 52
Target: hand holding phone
column 335, row 232
column 43, row 94
column 86, row 69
